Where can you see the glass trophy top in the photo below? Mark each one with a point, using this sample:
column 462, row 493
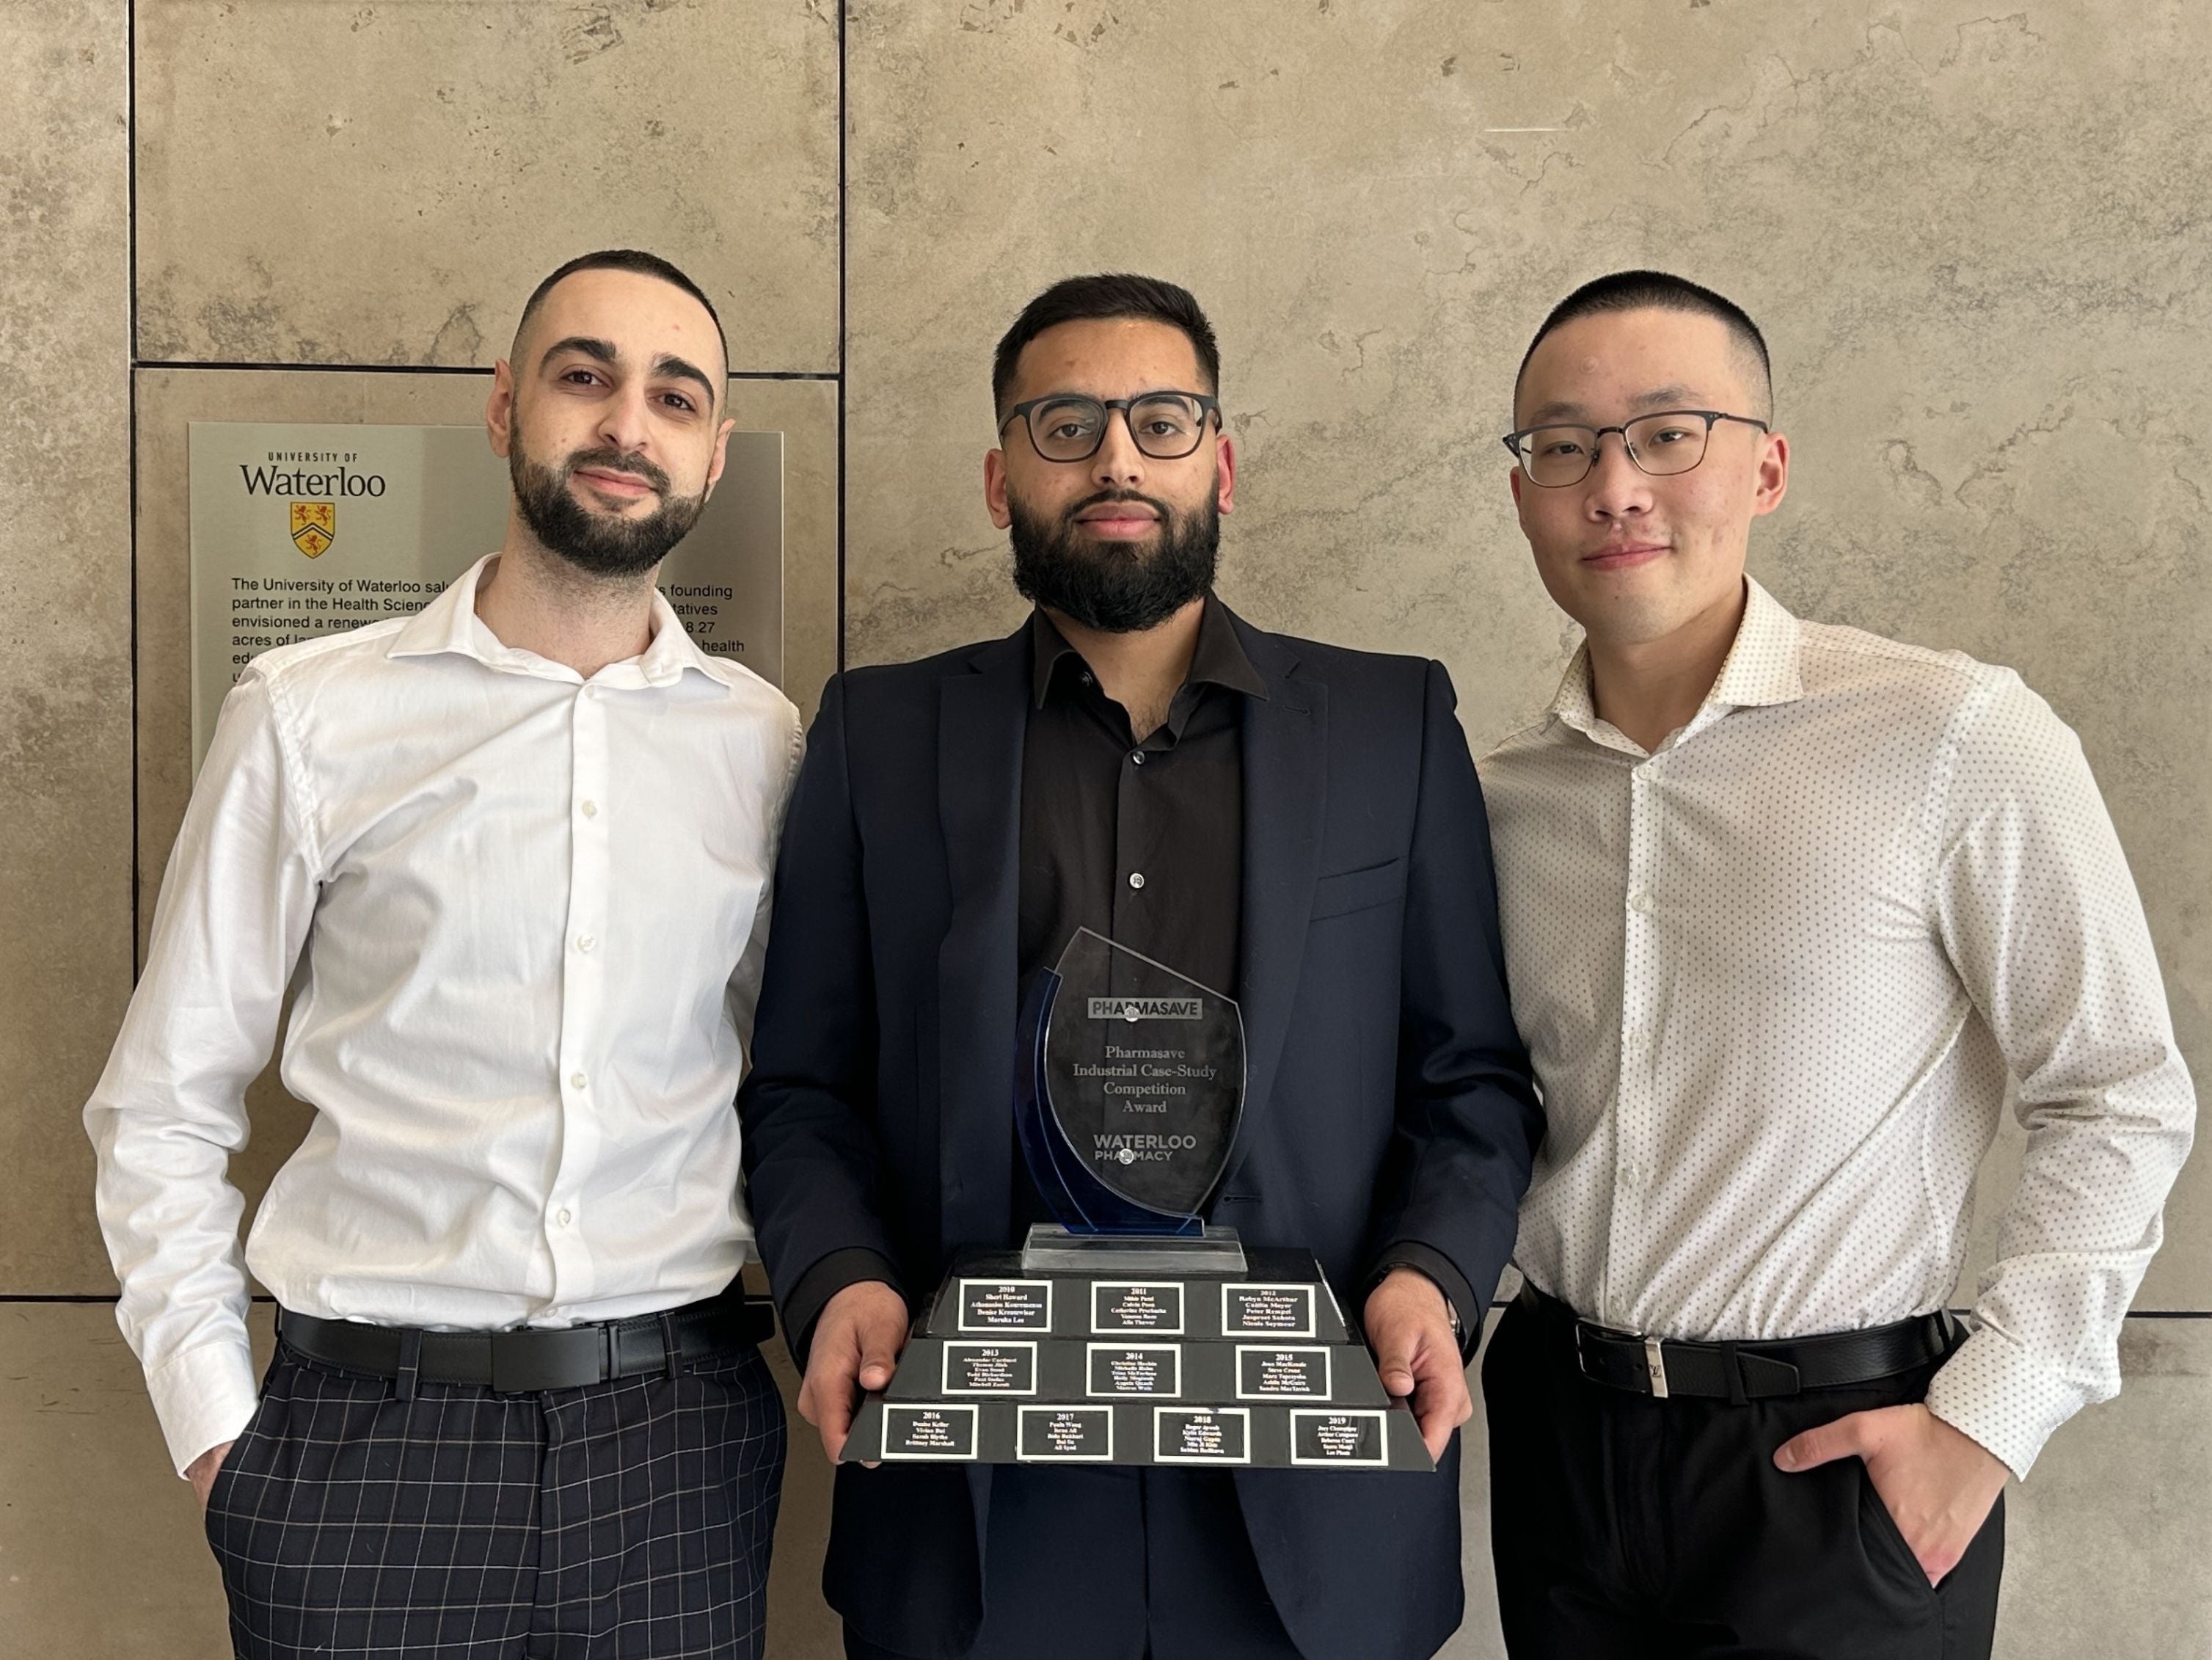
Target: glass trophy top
column 1129, row 1087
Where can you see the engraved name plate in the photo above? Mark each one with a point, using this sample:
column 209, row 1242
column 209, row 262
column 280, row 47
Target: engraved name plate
column 928, row 1432
column 1154, row 1306
column 1005, row 1305
column 1074, row 1435
column 979, row 1368
column 1273, row 1374
column 1201, row 1435
column 1135, row 1369
column 1357, row 1440
column 1267, row 1310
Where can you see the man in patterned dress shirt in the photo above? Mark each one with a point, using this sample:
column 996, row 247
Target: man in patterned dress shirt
column 1783, row 905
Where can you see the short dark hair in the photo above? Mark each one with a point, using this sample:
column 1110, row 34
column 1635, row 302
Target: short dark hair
column 1111, row 293
column 629, row 259
column 1657, row 291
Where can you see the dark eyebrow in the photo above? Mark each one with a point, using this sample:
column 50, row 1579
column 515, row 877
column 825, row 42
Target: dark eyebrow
column 677, row 368
column 600, row 350
column 603, row 351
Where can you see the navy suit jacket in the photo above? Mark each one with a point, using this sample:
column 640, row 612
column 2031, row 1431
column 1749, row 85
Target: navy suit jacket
column 1390, row 1114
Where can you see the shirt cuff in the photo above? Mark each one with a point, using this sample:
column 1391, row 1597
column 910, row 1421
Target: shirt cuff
column 840, row 1269
column 1992, row 1390
column 203, row 1397
column 1428, row 1260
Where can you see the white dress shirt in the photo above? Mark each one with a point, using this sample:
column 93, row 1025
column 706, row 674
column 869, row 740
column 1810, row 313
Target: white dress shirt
column 533, row 909
column 1773, row 974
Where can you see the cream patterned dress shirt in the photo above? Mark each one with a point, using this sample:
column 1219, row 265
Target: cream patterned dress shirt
column 527, row 912
column 1774, row 976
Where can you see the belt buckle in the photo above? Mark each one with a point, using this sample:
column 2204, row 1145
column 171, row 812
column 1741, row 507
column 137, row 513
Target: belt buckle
column 1654, row 1360
column 1654, row 1367
column 526, row 1361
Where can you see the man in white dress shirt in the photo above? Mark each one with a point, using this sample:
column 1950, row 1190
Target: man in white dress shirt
column 513, row 855
column 1783, row 904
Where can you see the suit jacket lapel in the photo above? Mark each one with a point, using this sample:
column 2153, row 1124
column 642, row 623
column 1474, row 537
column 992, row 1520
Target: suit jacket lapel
column 1286, row 783
column 980, row 722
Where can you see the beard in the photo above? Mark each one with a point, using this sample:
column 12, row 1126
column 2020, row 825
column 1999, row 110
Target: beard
column 1112, row 586
column 597, row 544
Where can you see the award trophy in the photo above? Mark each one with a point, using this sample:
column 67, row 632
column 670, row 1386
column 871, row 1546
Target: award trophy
column 1132, row 1332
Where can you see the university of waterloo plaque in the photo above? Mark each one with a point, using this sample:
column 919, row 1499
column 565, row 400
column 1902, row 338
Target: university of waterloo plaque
column 303, row 529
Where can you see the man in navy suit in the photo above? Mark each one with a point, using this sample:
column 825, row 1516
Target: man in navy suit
column 1294, row 825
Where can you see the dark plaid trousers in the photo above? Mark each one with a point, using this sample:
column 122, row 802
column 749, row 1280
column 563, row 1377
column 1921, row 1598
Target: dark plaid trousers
column 624, row 1520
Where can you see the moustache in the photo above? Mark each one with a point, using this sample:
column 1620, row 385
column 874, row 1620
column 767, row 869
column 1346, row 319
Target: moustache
column 613, row 460
column 1165, row 514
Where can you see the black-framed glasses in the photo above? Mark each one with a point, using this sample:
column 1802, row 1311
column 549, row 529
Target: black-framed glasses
column 1669, row 442
column 1066, row 427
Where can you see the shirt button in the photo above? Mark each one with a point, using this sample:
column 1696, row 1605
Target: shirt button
column 1640, row 903
column 1136, row 757
column 576, row 1080
column 584, row 942
column 591, row 810
column 563, row 1218
column 1087, row 679
column 1136, row 879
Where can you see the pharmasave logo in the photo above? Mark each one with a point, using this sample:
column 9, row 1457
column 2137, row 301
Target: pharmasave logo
column 1148, row 1008
column 327, row 474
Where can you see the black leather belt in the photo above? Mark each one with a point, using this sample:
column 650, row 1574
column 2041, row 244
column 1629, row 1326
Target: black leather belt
column 1744, row 1372
column 531, row 1358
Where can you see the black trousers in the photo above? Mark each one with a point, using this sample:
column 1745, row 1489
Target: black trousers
column 628, row 1520
column 1117, row 1564
column 1625, row 1526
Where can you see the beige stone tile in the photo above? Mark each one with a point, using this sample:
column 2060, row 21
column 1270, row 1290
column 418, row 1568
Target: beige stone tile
column 102, row 1552
column 1960, row 232
column 2109, row 1540
column 383, row 183
column 64, row 617
column 805, row 411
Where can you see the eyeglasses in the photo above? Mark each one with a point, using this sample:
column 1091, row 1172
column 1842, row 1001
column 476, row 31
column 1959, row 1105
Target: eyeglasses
column 1164, row 425
column 1662, row 445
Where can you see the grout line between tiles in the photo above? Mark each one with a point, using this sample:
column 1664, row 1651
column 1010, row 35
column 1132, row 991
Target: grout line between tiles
column 130, row 438
column 844, row 309
column 426, row 369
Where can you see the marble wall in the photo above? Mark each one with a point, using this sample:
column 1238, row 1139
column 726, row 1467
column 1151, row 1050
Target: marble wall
column 1974, row 235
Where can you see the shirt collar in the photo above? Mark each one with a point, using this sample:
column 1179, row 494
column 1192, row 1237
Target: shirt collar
column 1218, row 660
column 450, row 623
column 1764, row 666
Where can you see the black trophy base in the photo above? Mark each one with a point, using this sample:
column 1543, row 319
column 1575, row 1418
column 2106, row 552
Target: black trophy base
column 1122, row 1361
column 1052, row 1248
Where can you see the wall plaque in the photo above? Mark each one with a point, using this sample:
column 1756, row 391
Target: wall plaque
column 306, row 530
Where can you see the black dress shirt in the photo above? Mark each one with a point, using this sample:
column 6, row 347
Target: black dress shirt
column 1140, row 839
